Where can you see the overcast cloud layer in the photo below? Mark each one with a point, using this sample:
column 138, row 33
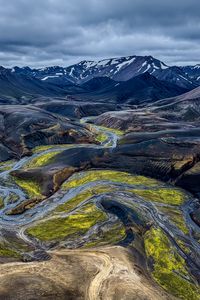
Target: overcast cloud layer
column 61, row 32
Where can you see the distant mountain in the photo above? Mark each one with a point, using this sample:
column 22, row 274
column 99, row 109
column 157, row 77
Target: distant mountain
column 56, row 74
column 118, row 69
column 193, row 72
column 22, row 86
column 132, row 79
column 139, row 89
column 176, row 76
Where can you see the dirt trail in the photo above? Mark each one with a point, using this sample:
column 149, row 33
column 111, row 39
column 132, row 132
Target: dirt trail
column 105, row 270
column 96, row 274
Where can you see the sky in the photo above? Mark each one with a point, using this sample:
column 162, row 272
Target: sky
column 41, row 33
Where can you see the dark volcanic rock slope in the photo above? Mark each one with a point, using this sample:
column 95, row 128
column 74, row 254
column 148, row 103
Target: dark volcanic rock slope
column 137, row 90
column 25, row 127
column 162, row 140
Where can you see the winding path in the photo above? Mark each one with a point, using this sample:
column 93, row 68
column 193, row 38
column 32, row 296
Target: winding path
column 107, row 267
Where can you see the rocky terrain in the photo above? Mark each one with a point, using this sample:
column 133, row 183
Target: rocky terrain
column 98, row 200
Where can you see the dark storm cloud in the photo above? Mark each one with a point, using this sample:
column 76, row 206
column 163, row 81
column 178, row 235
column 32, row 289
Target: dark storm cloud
column 46, row 32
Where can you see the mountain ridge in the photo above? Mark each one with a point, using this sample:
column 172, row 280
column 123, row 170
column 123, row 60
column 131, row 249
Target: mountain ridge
column 119, row 69
column 114, row 80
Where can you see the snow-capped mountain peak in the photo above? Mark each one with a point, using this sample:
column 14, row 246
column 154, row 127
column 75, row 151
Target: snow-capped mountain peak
column 118, row 69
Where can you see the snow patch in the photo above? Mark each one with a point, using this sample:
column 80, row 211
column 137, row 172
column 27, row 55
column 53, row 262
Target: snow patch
column 50, row 76
column 142, row 66
column 103, row 63
column 163, row 66
column 185, row 79
column 155, row 67
column 114, row 61
column 89, row 64
column 43, row 69
column 71, row 71
column 148, row 67
column 123, row 64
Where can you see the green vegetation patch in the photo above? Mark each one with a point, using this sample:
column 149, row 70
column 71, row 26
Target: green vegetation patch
column 42, row 160
column 183, row 245
column 7, row 162
column 113, row 130
column 169, row 267
column 101, row 137
column 170, row 196
column 5, row 251
column 6, row 165
column 110, row 236
column 6, row 168
column 75, row 224
column 83, row 196
column 176, row 216
column 1, row 202
column 31, row 187
column 114, row 176
column 42, row 148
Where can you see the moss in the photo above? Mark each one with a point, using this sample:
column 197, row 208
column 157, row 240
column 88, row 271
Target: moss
column 114, row 176
column 83, row 196
column 169, row 267
column 16, row 244
column 7, row 162
column 109, row 144
column 170, row 196
column 5, row 251
column 6, row 165
column 13, row 247
column 110, row 236
column 113, row 130
column 75, row 224
column 1, row 202
column 183, row 245
column 6, row 168
column 42, row 160
column 101, row 137
column 42, row 148
column 31, row 187
column 176, row 216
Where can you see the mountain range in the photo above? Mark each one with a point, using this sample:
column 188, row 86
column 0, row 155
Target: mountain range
column 132, row 80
